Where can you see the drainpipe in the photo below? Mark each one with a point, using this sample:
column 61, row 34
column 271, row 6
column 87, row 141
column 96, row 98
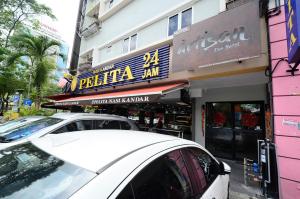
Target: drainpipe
column 76, row 41
column 264, row 6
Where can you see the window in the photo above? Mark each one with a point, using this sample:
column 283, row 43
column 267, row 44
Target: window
column 181, row 20
column 75, row 126
column 114, row 124
column 165, row 177
column 125, row 125
column 173, row 24
column 130, row 43
column 108, row 49
column 87, row 124
column 107, row 124
column 219, row 115
column 28, row 172
column 186, row 18
column 110, row 4
column 133, row 42
column 204, row 169
column 28, row 129
column 125, row 45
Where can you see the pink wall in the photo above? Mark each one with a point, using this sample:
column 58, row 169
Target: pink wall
column 286, row 101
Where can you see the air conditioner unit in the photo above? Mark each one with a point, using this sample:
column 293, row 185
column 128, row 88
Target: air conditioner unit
column 91, row 29
column 230, row 4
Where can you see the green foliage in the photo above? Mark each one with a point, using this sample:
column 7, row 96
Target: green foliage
column 38, row 50
column 15, row 72
column 28, row 111
column 13, row 12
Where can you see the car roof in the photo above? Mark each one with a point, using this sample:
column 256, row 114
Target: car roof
column 96, row 149
column 94, row 115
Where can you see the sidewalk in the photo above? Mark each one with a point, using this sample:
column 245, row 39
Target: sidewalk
column 238, row 190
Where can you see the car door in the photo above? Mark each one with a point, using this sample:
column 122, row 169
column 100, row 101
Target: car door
column 165, row 177
column 205, row 174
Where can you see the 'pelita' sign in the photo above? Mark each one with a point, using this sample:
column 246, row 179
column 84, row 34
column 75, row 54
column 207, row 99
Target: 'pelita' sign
column 149, row 66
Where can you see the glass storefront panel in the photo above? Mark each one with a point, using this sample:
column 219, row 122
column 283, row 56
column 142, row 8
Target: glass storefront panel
column 232, row 129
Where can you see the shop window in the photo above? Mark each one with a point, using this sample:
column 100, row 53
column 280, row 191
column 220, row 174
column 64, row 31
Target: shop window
column 219, row 115
column 248, row 116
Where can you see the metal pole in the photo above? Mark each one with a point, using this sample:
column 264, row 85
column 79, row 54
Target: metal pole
column 29, row 85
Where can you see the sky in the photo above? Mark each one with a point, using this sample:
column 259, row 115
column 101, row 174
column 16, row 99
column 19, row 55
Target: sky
column 66, row 14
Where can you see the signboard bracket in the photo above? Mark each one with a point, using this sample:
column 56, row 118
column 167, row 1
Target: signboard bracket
column 293, row 69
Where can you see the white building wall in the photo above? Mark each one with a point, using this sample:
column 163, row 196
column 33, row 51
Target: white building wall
column 230, row 94
column 149, row 19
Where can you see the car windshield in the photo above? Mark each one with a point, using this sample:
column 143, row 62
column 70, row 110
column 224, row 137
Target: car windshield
column 27, row 172
column 4, row 127
column 27, row 129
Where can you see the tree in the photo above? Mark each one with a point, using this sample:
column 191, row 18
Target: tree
column 14, row 12
column 39, row 51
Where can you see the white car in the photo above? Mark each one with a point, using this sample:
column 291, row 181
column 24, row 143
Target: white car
column 111, row 164
column 61, row 123
column 18, row 122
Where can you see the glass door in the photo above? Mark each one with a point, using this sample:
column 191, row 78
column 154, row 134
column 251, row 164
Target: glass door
column 248, row 128
column 219, row 129
column 233, row 128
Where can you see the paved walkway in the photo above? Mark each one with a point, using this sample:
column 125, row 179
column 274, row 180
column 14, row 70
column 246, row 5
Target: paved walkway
column 238, row 189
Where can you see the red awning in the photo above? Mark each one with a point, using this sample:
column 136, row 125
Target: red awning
column 142, row 95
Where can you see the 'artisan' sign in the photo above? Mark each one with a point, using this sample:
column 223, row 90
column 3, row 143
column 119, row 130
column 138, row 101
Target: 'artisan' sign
column 292, row 7
column 229, row 36
column 152, row 65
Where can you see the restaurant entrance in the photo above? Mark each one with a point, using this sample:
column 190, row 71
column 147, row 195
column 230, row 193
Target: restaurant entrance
column 233, row 128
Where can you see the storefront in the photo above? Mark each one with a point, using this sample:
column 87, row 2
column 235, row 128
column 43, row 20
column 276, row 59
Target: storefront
column 209, row 80
column 138, row 87
column 224, row 58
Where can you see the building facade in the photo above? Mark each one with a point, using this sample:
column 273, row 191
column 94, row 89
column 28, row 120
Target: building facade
column 230, row 84
column 225, row 70
column 284, row 28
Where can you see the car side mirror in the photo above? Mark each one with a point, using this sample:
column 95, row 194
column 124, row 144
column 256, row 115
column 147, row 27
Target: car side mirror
column 224, row 168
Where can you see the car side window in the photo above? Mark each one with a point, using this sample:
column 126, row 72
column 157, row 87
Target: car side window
column 87, row 124
column 125, row 125
column 165, row 177
column 203, row 166
column 111, row 124
column 75, row 126
column 60, row 130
